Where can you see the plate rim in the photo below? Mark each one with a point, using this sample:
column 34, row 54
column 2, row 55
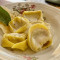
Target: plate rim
column 34, row 3
column 52, row 7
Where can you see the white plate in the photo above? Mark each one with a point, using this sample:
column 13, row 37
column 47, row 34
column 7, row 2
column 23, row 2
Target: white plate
column 52, row 16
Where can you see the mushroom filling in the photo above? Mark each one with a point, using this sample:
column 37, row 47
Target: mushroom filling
column 46, row 44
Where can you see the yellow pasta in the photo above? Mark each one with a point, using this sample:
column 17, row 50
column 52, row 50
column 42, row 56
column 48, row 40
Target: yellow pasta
column 15, row 37
column 39, row 37
column 14, row 40
column 33, row 16
column 6, row 43
column 21, row 45
column 19, row 24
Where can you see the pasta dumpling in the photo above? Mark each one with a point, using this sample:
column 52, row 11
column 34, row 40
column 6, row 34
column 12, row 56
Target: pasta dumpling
column 19, row 24
column 39, row 37
column 14, row 40
column 33, row 16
